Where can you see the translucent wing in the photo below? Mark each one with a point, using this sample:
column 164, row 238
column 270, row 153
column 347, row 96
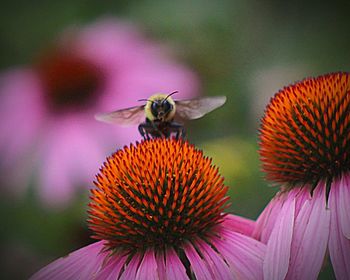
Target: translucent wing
column 124, row 117
column 196, row 108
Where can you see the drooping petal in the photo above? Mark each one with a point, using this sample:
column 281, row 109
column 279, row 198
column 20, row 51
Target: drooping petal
column 160, row 259
column 174, row 267
column 21, row 113
column 243, row 254
column 81, row 264
column 200, row 266
column 132, row 267
column 310, row 237
column 278, row 250
column 301, row 195
column 344, row 203
column 111, row 270
column 217, row 264
column 69, row 135
column 339, row 245
column 239, row 224
column 22, row 116
column 266, row 221
column 148, row 267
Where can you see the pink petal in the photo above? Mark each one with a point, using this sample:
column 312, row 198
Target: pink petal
column 161, row 264
column 54, row 180
column 343, row 186
column 21, row 113
column 64, row 152
column 253, row 247
column 111, row 270
column 174, row 267
column 81, row 264
column 339, row 245
column 132, row 267
column 148, row 267
column 200, row 267
column 243, row 254
column 301, row 195
column 276, row 262
column 239, row 224
column 310, row 237
column 132, row 62
column 266, row 221
column 218, row 266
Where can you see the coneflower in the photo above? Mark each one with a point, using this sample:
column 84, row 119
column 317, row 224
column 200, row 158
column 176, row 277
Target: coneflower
column 157, row 211
column 305, row 147
column 49, row 140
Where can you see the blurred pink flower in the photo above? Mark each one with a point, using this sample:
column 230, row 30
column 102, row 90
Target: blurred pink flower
column 49, row 136
column 158, row 212
column 305, row 145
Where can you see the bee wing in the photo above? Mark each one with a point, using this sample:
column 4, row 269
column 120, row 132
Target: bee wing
column 124, row 117
column 198, row 107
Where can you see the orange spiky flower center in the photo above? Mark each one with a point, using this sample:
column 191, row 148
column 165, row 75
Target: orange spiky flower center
column 305, row 132
column 156, row 193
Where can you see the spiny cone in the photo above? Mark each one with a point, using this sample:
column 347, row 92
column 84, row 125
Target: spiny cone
column 156, row 193
column 305, row 132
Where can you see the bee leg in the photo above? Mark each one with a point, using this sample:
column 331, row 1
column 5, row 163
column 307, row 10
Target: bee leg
column 143, row 131
column 147, row 130
column 179, row 129
column 183, row 132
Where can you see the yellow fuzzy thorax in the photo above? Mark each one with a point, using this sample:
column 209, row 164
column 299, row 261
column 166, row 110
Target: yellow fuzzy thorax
column 159, row 97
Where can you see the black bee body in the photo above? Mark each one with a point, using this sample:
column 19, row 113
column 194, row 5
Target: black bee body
column 158, row 129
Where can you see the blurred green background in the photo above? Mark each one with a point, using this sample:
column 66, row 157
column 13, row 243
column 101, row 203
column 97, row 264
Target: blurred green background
column 246, row 50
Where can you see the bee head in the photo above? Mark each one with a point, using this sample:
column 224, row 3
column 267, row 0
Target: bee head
column 160, row 107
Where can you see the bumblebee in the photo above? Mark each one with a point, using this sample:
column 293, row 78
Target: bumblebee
column 161, row 116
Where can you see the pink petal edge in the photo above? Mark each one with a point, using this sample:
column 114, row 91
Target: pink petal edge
column 111, row 270
column 265, row 222
column 148, row 267
column 339, row 245
column 239, row 224
column 80, row 264
column 310, row 237
column 216, row 262
column 200, row 267
column 243, row 254
column 132, row 267
column 160, row 259
column 174, row 267
column 344, row 204
column 278, row 251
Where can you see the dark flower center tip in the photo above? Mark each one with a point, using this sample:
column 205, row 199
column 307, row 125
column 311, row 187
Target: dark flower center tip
column 156, row 193
column 305, row 132
column 70, row 82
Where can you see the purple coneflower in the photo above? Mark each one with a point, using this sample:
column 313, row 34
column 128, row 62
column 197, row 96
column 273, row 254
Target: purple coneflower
column 158, row 212
column 305, row 146
column 49, row 136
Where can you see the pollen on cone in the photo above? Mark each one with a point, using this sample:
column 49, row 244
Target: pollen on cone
column 305, row 132
column 155, row 193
